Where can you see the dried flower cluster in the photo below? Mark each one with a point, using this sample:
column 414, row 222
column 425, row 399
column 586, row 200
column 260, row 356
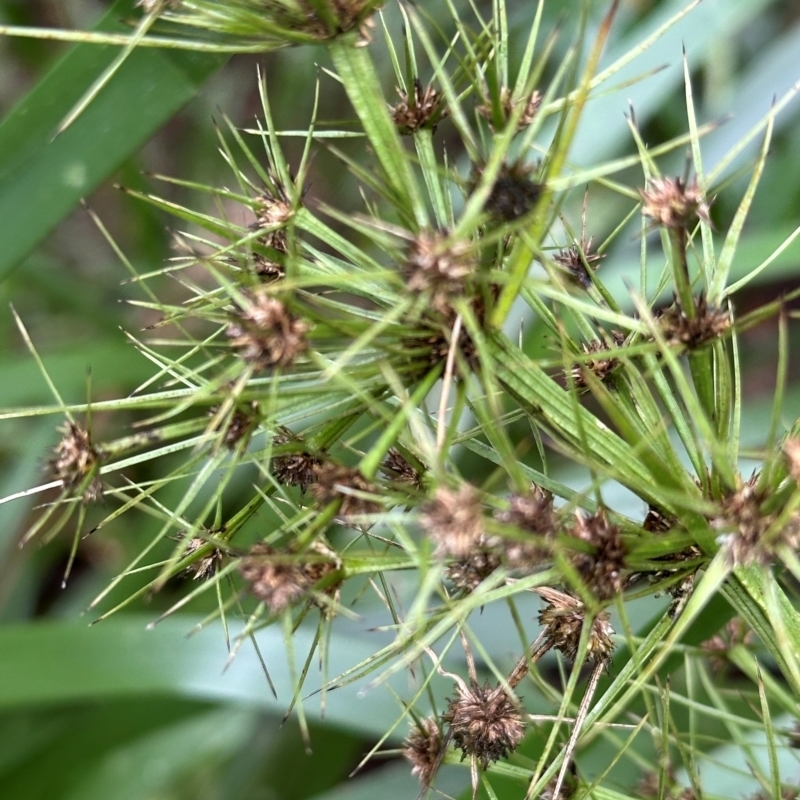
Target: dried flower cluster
column 293, row 469
column 454, row 522
column 513, row 194
column 422, row 748
column 600, row 365
column 282, row 578
column 424, row 108
column 75, row 462
column 563, row 620
column 266, row 333
column 485, row 722
column 533, row 517
column 338, row 482
column 508, row 105
column 673, row 203
column 602, row 568
column 437, row 265
column 208, row 564
column 693, row 331
column 748, row 531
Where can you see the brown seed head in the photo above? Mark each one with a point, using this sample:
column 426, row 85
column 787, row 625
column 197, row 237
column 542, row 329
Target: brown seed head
column 422, row 747
column 281, row 579
column 293, row 469
column 266, row 334
column 207, row 565
column 336, row 481
column 513, row 194
column 468, row 573
column 397, row 467
column 602, row 569
column 531, row 513
column 437, row 265
column 563, row 620
column 601, row 366
column 578, row 261
column 744, row 526
column 423, row 109
column 454, row 521
column 674, row 204
column 74, row 459
column 485, row 723
column 707, row 324
column 507, row 106
column 240, row 425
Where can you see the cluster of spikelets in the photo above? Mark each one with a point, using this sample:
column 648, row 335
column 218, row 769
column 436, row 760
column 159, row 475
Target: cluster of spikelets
column 309, row 358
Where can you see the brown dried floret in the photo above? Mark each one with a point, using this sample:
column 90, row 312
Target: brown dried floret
column 422, row 748
column 745, row 526
column 437, row 265
column 468, row 573
column 673, row 203
column 692, row 332
column 266, row 333
column 454, row 521
column 600, row 365
column 76, row 462
column 507, row 106
column 513, row 193
column 485, row 722
column 423, row 109
column 282, row 578
column 563, row 621
column 531, row 513
column 336, row 481
column 240, row 424
column 602, row 568
column 397, row 467
column 293, row 469
column 579, row 262
column 207, row 565
column 656, row 521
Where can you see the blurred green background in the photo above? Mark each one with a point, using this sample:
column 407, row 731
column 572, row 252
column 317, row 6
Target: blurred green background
column 117, row 711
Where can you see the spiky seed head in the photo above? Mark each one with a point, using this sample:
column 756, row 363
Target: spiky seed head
column 468, row 573
column 513, row 193
column 240, row 425
column 746, row 530
column 656, row 521
column 601, row 366
column 485, row 723
column 206, row 566
column 563, row 619
column 74, row 459
column 439, row 266
column 531, row 513
column 454, row 521
column 276, row 579
column 422, row 747
column 673, row 203
column 424, row 109
column 601, row 570
column 578, row 261
column 293, row 469
column 282, row 578
column 397, row 467
column 334, row 481
column 707, row 324
column 508, row 105
column 266, row 333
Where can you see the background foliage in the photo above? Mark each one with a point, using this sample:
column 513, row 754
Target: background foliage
column 117, row 710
